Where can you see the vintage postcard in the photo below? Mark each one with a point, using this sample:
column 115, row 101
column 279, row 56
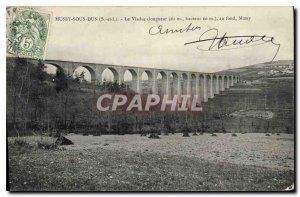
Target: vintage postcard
column 150, row 99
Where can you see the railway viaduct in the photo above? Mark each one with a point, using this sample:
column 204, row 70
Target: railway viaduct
column 171, row 82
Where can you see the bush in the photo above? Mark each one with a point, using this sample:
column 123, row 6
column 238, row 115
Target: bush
column 224, row 130
column 19, row 142
column 186, row 134
column 278, row 134
column 153, row 136
column 54, row 134
column 234, row 135
column 213, row 134
column 63, row 141
column 267, row 134
column 47, row 145
column 22, row 143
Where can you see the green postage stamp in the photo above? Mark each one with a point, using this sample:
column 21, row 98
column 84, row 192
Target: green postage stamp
column 28, row 32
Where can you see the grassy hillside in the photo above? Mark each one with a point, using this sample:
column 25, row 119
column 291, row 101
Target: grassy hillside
column 280, row 68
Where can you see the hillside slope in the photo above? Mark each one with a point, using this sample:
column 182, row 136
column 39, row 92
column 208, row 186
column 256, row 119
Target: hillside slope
column 280, row 68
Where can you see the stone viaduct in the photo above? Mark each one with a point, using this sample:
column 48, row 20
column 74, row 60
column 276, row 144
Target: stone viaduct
column 171, row 82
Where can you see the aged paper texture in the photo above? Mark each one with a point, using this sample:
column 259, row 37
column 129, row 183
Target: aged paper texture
column 150, row 98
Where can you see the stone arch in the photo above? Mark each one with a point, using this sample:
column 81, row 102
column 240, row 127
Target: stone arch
column 226, row 82
column 174, row 84
column 209, row 87
column 183, row 83
column 113, row 75
column 89, row 77
column 221, row 85
column 230, row 81
column 162, row 74
column 51, row 68
column 184, row 76
column 161, row 78
column 146, row 82
column 215, row 84
column 203, row 85
column 147, row 74
column 130, row 79
column 193, row 84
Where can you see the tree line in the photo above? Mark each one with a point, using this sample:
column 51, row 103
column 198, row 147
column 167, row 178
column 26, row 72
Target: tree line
column 38, row 102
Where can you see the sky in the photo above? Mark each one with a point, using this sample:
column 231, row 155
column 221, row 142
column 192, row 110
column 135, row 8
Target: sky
column 129, row 42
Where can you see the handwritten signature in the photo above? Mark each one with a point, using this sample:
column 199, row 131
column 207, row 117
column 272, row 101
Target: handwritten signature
column 214, row 42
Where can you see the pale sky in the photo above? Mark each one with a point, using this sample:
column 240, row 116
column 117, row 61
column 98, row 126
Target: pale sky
column 129, row 42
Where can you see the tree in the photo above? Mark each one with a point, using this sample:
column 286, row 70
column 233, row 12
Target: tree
column 61, row 80
column 186, row 129
column 61, row 85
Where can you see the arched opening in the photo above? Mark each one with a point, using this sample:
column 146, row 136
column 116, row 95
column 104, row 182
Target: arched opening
column 209, row 86
column 51, row 70
column 193, row 85
column 84, row 74
column 183, row 82
column 202, row 85
column 226, row 82
column 109, row 75
column 147, row 82
column 161, row 83
column 215, row 85
column 230, row 81
column 174, row 84
column 221, row 86
column 130, row 79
